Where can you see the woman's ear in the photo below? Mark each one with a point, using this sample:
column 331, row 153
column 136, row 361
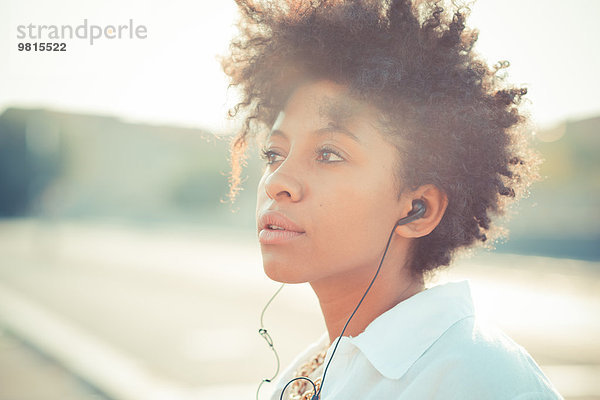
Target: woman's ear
column 435, row 201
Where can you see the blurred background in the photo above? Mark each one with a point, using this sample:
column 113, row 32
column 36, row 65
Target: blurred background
column 124, row 274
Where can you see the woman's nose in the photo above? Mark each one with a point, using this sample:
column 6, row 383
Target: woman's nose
column 283, row 184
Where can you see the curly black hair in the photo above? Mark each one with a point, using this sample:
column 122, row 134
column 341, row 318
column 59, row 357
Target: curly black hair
column 454, row 119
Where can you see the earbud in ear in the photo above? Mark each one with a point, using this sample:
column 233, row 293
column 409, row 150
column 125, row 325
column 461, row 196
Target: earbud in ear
column 417, row 212
column 418, row 208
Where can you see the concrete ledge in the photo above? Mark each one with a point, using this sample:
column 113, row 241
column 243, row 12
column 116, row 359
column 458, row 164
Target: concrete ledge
column 86, row 356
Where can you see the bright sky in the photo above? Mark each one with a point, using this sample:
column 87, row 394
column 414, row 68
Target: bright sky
column 172, row 76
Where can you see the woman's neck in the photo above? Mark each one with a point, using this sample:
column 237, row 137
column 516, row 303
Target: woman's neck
column 339, row 296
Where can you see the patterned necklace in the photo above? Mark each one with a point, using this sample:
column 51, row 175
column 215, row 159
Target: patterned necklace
column 313, row 369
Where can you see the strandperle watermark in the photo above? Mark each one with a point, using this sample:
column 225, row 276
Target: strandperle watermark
column 84, row 31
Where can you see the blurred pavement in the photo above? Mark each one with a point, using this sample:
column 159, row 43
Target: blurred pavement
column 27, row 374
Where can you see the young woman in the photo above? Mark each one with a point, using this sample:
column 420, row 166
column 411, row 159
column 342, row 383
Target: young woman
column 389, row 145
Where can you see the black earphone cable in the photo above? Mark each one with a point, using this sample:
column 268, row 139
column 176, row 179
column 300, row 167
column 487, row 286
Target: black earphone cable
column 417, row 212
column 317, row 394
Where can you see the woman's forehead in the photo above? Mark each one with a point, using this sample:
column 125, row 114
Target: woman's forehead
column 317, row 104
column 329, row 100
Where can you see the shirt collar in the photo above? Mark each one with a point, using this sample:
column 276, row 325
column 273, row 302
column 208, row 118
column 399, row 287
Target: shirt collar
column 398, row 337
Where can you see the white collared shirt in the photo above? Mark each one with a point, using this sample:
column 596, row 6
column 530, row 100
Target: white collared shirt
column 429, row 346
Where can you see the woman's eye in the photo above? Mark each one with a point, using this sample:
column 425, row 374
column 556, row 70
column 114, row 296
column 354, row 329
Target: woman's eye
column 267, row 155
column 330, row 153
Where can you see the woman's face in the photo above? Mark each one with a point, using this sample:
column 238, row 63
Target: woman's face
column 330, row 173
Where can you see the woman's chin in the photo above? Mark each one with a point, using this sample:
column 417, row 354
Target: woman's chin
column 283, row 274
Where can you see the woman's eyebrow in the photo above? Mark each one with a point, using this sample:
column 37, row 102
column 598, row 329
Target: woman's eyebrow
column 321, row 131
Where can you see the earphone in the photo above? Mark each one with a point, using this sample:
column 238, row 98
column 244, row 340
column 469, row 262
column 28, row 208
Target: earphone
column 418, row 211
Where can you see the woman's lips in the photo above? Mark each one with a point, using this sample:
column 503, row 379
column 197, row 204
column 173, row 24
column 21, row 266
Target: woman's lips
column 277, row 236
column 275, row 227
